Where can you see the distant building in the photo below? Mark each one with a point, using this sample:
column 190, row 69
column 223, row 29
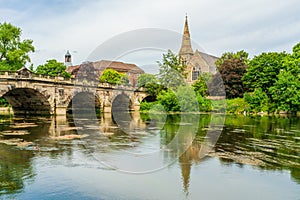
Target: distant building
column 93, row 70
column 68, row 59
column 197, row 62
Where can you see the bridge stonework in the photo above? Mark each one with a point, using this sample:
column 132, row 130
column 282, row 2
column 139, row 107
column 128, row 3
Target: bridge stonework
column 32, row 94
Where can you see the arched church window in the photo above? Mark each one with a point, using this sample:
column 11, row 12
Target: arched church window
column 196, row 72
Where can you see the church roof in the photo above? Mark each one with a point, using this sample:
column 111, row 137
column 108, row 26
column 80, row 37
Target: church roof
column 210, row 59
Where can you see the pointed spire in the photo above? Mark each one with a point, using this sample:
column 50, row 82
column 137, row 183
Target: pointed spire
column 186, row 27
column 186, row 47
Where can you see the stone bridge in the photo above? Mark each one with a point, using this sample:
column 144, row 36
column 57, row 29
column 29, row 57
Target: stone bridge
column 28, row 93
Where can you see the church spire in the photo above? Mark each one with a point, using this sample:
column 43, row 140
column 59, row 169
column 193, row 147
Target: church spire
column 186, row 47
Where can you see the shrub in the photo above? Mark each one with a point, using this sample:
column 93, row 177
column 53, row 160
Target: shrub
column 237, row 105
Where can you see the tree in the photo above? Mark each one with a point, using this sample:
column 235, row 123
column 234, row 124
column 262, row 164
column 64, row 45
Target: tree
column 124, row 80
column 145, row 79
column 232, row 67
column 113, row 77
column 263, row 70
column 13, row 51
column 172, row 72
column 168, row 100
column 187, row 99
column 53, row 68
column 258, row 100
column 150, row 83
column 286, row 91
column 200, row 86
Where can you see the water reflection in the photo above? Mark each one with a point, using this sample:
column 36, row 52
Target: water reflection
column 266, row 143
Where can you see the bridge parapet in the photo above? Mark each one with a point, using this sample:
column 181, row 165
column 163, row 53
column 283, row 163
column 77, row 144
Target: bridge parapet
column 27, row 90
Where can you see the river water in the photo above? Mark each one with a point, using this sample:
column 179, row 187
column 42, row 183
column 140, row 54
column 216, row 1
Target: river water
column 156, row 156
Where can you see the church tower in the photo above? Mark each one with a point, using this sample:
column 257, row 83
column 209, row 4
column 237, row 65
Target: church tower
column 186, row 51
column 68, row 59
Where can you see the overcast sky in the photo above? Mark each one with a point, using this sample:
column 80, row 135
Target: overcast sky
column 217, row 26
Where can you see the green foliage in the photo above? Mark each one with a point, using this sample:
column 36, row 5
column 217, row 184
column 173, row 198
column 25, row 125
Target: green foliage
column 150, row 83
column 296, row 50
column 200, row 86
column 13, row 50
column 3, row 102
column 232, row 67
column 187, row 99
column 53, row 68
column 145, row 106
column 258, row 101
column 183, row 100
column 205, row 104
column 236, row 106
column 240, row 55
column 168, row 100
column 172, row 72
column 145, row 79
column 263, row 70
column 113, row 77
column 124, row 80
column 286, row 91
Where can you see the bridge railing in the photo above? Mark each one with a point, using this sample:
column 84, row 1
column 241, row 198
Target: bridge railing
column 60, row 80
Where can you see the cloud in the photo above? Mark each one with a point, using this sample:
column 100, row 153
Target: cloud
column 216, row 25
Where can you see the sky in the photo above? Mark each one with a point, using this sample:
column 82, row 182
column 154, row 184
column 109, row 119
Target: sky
column 106, row 29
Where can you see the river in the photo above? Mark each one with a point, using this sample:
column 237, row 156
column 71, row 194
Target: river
column 156, row 156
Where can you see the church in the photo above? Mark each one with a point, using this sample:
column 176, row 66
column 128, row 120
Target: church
column 197, row 62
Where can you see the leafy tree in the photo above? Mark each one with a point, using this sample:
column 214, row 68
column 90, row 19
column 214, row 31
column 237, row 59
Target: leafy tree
column 13, row 50
column 113, row 77
column 200, row 86
column 236, row 106
column 172, row 72
column 258, row 100
column 232, row 67
column 204, row 104
column 145, row 79
column 187, row 99
column 296, row 51
column 286, row 91
column 151, row 84
column 53, row 68
column 263, row 70
column 168, row 100
column 124, row 80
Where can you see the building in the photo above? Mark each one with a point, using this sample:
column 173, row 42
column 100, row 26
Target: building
column 93, row 70
column 197, row 62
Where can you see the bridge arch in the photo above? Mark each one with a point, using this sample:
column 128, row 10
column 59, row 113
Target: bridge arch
column 28, row 101
column 122, row 103
column 84, row 102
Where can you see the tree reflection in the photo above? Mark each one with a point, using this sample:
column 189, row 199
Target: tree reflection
column 15, row 168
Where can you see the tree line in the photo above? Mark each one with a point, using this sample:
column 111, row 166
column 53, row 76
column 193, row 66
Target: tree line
column 268, row 82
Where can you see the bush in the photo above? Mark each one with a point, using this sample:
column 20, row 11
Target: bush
column 187, row 99
column 237, row 105
column 205, row 104
column 3, row 102
column 168, row 100
column 145, row 106
column 258, row 101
